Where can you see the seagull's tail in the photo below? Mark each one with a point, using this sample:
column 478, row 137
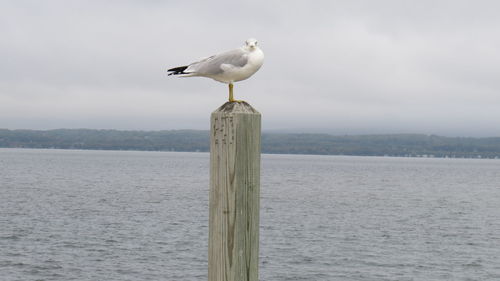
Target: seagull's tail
column 177, row 70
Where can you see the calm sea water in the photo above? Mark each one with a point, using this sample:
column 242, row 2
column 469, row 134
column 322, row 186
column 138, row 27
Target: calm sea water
column 108, row 215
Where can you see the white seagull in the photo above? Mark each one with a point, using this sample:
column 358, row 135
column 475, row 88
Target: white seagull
column 228, row 67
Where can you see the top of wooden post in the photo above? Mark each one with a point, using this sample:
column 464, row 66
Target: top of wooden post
column 236, row 107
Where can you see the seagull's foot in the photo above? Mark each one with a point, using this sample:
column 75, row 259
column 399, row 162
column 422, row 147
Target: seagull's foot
column 238, row 101
column 231, row 98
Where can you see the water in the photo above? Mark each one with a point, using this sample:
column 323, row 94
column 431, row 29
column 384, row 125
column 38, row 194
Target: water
column 108, row 215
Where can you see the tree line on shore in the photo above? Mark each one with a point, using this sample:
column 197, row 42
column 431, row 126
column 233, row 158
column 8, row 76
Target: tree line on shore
column 404, row 145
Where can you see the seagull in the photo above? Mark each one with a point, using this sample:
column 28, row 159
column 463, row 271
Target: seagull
column 228, row 67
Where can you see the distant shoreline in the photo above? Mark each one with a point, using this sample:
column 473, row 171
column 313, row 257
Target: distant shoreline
column 391, row 145
column 263, row 153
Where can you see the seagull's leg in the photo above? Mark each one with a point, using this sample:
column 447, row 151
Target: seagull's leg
column 231, row 98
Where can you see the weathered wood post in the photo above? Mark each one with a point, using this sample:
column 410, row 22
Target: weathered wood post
column 233, row 246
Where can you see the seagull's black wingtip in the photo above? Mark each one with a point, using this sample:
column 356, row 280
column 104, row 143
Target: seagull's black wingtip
column 177, row 70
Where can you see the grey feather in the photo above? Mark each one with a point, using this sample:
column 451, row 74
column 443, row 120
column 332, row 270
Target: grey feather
column 212, row 65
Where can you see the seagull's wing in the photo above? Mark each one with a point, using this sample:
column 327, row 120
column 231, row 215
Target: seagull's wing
column 216, row 64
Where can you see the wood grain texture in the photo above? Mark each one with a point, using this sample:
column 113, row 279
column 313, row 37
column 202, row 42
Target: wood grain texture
column 233, row 247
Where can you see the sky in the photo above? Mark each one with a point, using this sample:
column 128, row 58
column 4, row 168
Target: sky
column 339, row 67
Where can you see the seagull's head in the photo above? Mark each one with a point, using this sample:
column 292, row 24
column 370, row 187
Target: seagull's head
column 251, row 43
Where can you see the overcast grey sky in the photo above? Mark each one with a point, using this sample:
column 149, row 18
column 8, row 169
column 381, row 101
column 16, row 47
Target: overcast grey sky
column 344, row 67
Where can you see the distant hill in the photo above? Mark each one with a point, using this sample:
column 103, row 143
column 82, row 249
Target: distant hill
column 414, row 145
column 177, row 140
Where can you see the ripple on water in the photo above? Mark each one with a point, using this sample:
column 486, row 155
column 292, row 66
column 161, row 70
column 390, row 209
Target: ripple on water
column 96, row 215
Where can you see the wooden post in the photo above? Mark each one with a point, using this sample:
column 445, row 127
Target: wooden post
column 233, row 246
